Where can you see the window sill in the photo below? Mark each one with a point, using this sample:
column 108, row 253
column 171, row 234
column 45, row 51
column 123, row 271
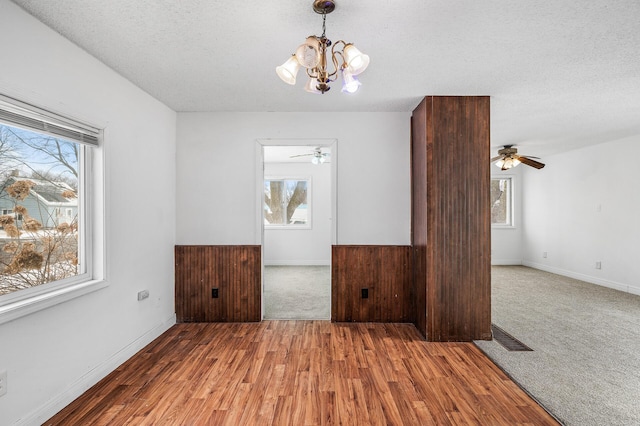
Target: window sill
column 22, row 307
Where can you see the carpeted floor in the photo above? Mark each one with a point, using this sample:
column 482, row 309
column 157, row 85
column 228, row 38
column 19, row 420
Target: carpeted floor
column 585, row 364
column 297, row 292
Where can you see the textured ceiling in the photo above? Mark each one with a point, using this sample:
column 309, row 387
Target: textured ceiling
column 561, row 74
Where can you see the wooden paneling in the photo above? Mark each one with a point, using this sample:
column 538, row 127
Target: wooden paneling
column 419, row 229
column 384, row 270
column 233, row 270
column 451, row 217
column 303, row 373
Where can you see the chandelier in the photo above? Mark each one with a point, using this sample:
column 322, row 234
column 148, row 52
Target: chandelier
column 346, row 59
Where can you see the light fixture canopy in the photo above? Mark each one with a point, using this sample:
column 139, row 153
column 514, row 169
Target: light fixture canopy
column 313, row 55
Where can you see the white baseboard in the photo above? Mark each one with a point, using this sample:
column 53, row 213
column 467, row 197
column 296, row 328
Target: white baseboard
column 64, row 398
column 504, row 262
column 297, row 262
column 582, row 277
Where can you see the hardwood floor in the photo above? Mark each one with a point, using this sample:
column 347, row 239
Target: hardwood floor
column 303, row 373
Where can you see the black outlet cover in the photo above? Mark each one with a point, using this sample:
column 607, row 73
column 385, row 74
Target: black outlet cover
column 365, row 293
column 214, row 293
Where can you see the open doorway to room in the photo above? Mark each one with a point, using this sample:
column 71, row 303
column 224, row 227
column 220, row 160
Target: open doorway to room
column 298, row 228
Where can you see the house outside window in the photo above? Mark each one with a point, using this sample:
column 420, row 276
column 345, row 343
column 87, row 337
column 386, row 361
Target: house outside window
column 287, row 203
column 45, row 226
column 502, row 202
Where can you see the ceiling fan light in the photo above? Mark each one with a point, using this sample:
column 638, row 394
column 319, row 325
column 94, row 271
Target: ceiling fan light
column 288, row 71
column 350, row 83
column 508, row 163
column 356, row 61
column 500, row 163
column 315, row 160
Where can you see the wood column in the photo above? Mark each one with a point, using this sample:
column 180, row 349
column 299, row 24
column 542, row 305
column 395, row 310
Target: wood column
column 451, row 229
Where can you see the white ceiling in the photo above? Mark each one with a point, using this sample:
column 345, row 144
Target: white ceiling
column 561, row 73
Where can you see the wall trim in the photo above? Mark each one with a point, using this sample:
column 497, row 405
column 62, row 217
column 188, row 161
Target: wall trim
column 586, row 278
column 82, row 384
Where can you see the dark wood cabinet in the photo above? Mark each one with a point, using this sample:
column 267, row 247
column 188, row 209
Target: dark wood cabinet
column 451, row 229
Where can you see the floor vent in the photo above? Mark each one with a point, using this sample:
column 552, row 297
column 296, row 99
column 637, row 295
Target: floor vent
column 507, row 340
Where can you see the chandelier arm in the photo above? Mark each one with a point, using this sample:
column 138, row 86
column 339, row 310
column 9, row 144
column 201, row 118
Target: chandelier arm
column 339, row 52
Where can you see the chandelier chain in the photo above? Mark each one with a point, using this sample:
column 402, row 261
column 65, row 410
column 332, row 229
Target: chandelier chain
column 324, row 24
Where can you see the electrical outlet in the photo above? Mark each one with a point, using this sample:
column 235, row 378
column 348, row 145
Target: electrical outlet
column 365, row 293
column 598, row 265
column 143, row 294
column 214, row 293
column 3, row 382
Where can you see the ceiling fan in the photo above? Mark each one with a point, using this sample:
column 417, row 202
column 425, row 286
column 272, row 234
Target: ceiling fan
column 508, row 157
column 319, row 157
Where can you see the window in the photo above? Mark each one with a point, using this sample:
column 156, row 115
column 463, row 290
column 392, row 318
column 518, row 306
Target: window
column 502, row 201
column 17, row 216
column 286, row 203
column 45, row 226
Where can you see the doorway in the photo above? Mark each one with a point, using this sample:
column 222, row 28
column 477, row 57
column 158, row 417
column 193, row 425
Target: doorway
column 297, row 211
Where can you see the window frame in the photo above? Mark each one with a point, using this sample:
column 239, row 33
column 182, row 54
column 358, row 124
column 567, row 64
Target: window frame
column 285, row 226
column 510, row 202
column 90, row 184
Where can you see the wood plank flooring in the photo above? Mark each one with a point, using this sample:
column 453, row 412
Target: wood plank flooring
column 303, row 373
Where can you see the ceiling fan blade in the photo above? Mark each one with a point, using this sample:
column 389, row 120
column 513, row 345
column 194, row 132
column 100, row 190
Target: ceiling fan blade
column 496, row 158
column 300, row 155
column 529, row 162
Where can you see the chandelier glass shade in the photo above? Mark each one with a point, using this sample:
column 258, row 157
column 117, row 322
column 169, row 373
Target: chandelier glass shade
column 318, row 52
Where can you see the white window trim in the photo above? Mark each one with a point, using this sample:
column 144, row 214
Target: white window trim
column 285, row 227
column 511, row 210
column 25, row 302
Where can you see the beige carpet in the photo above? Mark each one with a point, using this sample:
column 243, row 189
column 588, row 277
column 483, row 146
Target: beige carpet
column 297, row 292
column 585, row 364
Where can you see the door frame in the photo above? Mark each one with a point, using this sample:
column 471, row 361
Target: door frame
column 331, row 143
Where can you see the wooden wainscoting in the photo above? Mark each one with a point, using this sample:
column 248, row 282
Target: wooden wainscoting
column 234, row 270
column 385, row 271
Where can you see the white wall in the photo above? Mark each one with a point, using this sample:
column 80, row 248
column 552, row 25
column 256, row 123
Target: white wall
column 52, row 356
column 506, row 243
column 310, row 246
column 216, row 169
column 583, row 208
